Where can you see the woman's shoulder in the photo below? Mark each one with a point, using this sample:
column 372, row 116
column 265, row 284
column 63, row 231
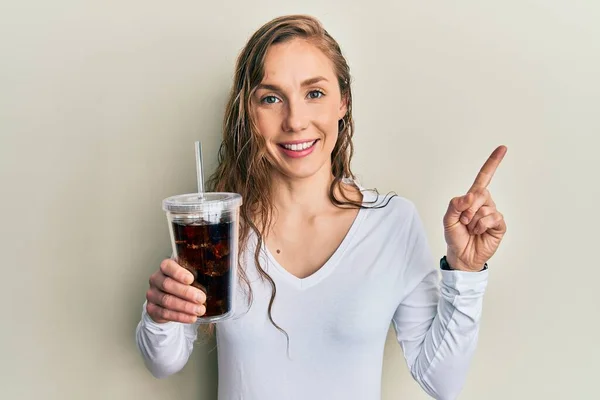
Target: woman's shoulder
column 390, row 216
column 391, row 204
column 387, row 203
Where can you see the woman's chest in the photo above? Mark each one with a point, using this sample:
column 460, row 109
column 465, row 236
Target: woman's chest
column 302, row 248
column 352, row 306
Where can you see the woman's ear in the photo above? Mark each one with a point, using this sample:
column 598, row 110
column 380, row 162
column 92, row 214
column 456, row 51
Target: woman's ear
column 343, row 107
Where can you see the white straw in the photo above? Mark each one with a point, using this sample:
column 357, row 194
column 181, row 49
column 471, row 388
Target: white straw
column 199, row 169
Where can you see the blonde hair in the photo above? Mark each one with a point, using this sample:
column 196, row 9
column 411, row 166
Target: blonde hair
column 243, row 163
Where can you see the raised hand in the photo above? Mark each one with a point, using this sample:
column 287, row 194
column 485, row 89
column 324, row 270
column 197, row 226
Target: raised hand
column 473, row 227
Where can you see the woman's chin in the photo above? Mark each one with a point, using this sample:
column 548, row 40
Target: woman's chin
column 303, row 172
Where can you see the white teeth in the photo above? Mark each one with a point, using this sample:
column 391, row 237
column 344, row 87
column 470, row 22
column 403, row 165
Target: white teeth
column 299, row 146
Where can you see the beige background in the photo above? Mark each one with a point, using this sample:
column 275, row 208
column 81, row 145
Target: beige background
column 100, row 103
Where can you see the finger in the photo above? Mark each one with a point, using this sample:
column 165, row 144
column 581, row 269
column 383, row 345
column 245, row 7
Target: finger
column 482, row 212
column 482, row 198
column 171, row 268
column 493, row 222
column 484, row 177
column 174, row 303
column 169, row 285
column 158, row 313
column 455, row 209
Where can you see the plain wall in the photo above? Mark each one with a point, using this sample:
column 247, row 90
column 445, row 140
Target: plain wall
column 100, row 103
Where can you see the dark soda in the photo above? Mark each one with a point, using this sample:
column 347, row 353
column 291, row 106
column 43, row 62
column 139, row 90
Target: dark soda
column 205, row 250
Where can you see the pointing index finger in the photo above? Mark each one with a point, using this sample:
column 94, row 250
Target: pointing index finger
column 484, row 177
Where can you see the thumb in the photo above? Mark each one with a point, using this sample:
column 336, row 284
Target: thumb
column 456, row 207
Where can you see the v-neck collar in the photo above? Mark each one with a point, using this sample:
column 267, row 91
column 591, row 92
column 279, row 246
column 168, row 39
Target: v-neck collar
column 326, row 269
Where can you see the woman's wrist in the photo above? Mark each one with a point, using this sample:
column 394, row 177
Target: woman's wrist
column 451, row 262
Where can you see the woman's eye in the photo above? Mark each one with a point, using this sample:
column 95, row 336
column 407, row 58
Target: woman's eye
column 315, row 94
column 270, row 100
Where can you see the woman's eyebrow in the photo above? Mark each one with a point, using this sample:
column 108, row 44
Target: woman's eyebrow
column 307, row 82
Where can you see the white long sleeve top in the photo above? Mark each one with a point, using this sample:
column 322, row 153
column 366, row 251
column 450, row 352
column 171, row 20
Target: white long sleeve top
column 337, row 319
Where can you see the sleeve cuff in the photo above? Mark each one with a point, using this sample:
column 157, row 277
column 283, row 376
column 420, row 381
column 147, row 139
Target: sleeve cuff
column 465, row 283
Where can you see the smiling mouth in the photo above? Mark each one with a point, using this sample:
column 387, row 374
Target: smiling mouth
column 299, row 146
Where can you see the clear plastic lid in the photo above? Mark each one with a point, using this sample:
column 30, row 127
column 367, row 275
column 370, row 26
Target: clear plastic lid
column 209, row 202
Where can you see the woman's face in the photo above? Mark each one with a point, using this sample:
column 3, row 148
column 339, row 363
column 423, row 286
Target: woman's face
column 297, row 107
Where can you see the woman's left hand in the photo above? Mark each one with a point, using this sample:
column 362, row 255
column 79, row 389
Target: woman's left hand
column 473, row 227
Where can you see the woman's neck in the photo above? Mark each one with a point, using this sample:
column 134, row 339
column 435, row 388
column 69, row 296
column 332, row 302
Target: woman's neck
column 307, row 196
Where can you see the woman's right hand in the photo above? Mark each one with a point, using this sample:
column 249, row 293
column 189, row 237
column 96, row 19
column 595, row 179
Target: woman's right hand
column 171, row 296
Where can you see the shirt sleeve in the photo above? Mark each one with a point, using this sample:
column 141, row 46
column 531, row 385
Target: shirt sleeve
column 437, row 321
column 166, row 347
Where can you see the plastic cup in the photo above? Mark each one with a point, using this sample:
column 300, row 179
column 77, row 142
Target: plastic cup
column 204, row 233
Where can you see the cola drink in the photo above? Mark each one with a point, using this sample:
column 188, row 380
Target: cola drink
column 204, row 237
column 205, row 250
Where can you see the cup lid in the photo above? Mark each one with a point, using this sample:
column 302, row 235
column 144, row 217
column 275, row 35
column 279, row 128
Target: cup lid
column 209, row 202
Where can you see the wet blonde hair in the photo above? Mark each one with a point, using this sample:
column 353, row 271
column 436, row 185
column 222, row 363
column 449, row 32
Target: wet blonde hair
column 244, row 166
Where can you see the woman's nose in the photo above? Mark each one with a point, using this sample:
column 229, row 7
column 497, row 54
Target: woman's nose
column 296, row 119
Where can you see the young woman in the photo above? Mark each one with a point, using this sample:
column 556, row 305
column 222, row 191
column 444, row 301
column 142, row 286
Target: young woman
column 327, row 265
